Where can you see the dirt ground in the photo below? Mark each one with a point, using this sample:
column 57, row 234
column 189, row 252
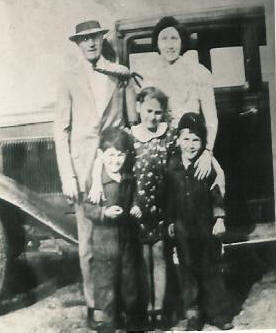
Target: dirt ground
column 63, row 310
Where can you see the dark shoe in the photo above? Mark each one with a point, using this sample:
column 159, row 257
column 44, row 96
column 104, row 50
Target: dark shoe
column 96, row 325
column 194, row 320
column 194, row 324
column 101, row 327
column 180, row 325
column 223, row 325
column 91, row 323
column 159, row 321
column 136, row 324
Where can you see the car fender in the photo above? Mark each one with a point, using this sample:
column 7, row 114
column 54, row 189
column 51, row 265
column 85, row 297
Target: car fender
column 42, row 211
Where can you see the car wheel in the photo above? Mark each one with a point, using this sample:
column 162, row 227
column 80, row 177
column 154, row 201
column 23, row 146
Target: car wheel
column 4, row 259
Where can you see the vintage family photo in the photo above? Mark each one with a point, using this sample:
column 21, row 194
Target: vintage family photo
column 137, row 166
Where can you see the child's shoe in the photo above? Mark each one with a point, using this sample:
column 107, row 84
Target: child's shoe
column 194, row 320
column 223, row 324
column 98, row 325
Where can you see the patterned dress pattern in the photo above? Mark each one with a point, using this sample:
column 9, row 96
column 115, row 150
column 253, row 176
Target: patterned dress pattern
column 149, row 169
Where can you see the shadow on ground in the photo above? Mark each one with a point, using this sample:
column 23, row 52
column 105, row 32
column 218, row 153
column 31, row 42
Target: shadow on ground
column 245, row 266
column 35, row 275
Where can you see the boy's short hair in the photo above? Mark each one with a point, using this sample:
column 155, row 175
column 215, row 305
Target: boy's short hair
column 153, row 93
column 120, row 140
column 166, row 22
column 115, row 138
column 195, row 123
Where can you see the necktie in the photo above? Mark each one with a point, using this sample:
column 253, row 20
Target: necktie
column 121, row 75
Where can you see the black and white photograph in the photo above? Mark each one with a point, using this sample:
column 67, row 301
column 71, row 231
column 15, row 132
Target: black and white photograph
column 137, row 166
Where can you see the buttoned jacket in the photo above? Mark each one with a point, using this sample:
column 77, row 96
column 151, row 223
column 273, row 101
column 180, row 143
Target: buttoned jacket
column 191, row 204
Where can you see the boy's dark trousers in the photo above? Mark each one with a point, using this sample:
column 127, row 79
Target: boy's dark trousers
column 114, row 272
column 201, row 283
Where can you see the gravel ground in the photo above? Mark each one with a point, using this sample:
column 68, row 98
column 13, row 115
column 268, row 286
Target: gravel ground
column 62, row 309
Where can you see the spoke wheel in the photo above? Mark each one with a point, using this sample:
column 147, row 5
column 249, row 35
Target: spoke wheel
column 4, row 259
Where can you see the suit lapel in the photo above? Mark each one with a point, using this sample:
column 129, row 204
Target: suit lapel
column 81, row 80
column 108, row 89
column 81, row 76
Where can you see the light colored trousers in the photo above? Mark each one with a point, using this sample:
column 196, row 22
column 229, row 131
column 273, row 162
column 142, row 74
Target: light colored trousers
column 85, row 235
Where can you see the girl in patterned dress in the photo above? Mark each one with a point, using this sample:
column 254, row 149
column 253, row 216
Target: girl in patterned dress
column 153, row 143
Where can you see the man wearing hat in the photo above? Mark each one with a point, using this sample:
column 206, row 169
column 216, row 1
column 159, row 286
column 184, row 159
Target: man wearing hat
column 90, row 99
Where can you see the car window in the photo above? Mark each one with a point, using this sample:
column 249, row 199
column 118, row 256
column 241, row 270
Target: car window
column 228, row 66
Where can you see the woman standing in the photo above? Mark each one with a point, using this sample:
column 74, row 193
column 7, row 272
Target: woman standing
column 189, row 87
column 188, row 84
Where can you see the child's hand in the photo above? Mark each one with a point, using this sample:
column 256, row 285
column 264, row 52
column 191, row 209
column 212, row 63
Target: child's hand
column 136, row 212
column 96, row 193
column 113, row 211
column 219, row 227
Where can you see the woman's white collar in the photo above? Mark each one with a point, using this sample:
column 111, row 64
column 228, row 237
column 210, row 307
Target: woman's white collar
column 143, row 135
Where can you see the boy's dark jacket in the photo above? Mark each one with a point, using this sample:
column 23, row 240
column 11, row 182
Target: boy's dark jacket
column 190, row 203
column 120, row 194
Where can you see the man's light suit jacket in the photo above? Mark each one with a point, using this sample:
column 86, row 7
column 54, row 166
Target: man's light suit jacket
column 78, row 123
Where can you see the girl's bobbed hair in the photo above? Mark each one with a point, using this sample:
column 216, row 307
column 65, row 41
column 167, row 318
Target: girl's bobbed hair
column 153, row 93
column 166, row 22
column 195, row 123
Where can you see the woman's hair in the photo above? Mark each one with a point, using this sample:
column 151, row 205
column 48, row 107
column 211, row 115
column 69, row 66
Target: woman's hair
column 153, row 93
column 120, row 140
column 195, row 123
column 166, row 22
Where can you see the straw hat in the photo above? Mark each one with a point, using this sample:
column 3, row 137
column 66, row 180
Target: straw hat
column 87, row 28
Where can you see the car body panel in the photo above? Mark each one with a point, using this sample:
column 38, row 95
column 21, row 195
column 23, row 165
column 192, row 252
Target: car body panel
column 42, row 211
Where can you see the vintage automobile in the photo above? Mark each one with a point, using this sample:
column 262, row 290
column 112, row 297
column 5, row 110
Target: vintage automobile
column 31, row 203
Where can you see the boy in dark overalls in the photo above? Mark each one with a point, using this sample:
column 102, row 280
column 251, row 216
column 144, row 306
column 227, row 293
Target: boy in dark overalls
column 196, row 214
column 115, row 245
